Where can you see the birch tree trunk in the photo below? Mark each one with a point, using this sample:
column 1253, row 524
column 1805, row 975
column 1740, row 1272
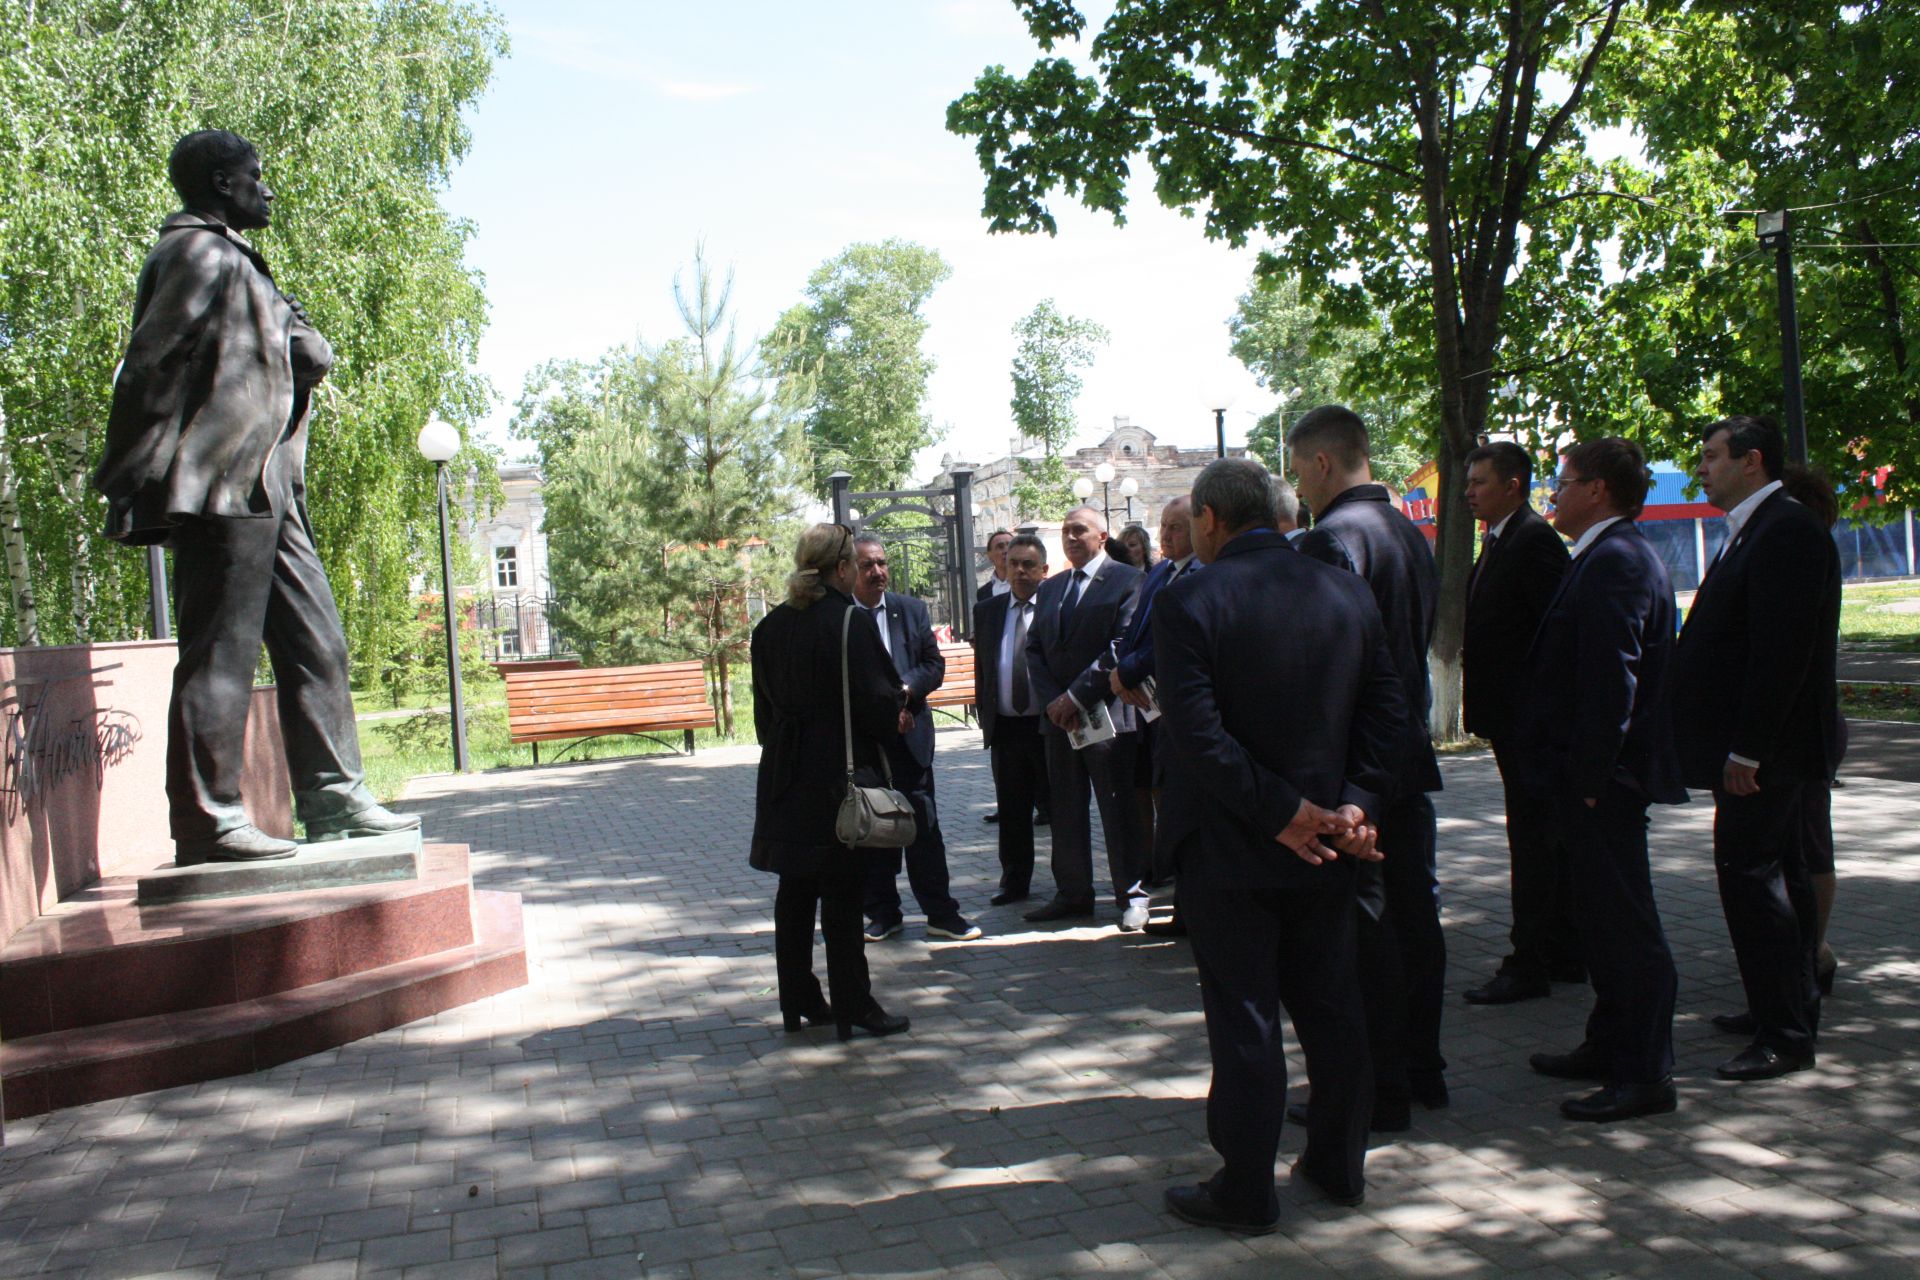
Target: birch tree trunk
column 26, row 616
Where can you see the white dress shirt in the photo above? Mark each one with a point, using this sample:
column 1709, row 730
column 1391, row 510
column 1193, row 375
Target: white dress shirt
column 879, row 612
column 1004, row 676
column 1743, row 512
column 1092, row 570
column 998, row 586
column 1592, row 535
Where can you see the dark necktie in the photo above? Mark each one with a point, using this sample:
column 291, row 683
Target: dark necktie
column 880, row 621
column 1021, row 695
column 1486, row 554
column 1071, row 600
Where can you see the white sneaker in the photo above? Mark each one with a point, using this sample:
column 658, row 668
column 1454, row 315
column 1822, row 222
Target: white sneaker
column 1134, row 917
column 960, row 931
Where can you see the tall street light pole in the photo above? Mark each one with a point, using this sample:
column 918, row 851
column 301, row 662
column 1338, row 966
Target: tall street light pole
column 1776, row 232
column 438, row 443
column 1104, row 474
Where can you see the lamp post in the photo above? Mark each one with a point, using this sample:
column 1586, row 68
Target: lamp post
column 1128, row 488
column 1775, row 231
column 1104, row 474
column 438, row 443
column 1219, row 398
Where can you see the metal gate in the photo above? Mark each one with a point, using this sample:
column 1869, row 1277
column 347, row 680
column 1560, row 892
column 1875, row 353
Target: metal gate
column 947, row 542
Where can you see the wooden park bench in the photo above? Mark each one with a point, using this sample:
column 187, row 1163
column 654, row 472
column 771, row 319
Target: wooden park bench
column 593, row 702
column 957, row 689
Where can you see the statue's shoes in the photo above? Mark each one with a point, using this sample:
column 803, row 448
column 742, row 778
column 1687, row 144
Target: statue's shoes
column 242, row 844
column 375, row 820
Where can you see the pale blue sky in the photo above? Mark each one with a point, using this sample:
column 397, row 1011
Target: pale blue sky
column 617, row 135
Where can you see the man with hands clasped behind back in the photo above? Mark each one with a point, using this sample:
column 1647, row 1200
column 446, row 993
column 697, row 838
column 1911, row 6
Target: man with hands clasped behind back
column 1282, row 723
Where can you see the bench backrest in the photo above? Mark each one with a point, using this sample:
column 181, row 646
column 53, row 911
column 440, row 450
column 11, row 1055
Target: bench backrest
column 665, row 695
column 957, row 689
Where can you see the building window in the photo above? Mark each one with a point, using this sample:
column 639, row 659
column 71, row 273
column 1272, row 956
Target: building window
column 506, row 566
column 1128, row 450
column 509, row 644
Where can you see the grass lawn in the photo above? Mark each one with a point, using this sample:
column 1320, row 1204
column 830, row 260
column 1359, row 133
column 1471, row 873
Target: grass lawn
column 1881, row 702
column 395, row 751
column 1865, row 621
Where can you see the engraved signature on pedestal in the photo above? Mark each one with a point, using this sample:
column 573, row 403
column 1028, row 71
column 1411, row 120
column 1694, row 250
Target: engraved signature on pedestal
column 39, row 750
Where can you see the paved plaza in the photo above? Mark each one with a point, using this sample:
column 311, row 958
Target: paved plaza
column 636, row 1111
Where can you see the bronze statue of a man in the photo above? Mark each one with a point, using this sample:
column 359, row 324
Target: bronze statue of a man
column 206, row 450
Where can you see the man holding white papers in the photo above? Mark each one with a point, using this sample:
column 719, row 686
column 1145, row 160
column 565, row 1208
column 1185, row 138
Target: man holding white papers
column 1079, row 618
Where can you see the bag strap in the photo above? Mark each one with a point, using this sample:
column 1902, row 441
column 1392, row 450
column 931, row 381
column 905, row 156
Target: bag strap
column 846, row 703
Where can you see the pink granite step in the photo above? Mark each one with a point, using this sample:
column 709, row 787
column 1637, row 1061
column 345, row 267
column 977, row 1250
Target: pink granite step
column 98, row 959
column 93, row 1062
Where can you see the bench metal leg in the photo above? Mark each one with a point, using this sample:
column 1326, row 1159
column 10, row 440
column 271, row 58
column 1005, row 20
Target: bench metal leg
column 689, row 736
column 536, row 753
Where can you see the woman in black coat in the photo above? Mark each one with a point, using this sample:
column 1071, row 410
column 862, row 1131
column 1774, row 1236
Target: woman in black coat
column 798, row 718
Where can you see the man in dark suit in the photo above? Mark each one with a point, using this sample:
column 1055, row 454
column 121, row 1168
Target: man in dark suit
column 1756, row 722
column 1521, row 563
column 1593, row 735
column 1403, row 956
column 1080, row 617
column 997, row 583
column 907, row 632
column 1134, row 666
column 1010, row 710
column 1277, row 756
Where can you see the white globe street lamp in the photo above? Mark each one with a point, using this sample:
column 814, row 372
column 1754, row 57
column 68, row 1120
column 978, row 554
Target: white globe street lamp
column 438, row 443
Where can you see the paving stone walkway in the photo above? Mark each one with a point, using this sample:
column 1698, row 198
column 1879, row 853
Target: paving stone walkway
column 637, row 1112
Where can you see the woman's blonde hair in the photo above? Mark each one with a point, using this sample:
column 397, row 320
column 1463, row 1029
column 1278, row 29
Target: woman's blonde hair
column 820, row 551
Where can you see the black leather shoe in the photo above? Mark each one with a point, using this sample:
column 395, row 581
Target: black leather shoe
column 1509, row 988
column 1430, row 1091
column 1763, row 1062
column 1004, row 898
column 246, row 843
column 375, row 821
column 1350, row 1199
column 1823, row 975
column 1623, row 1102
column 993, row 815
column 1058, row 910
column 1174, row 927
column 1585, row 1063
column 1736, row 1024
column 875, row 1022
column 1196, row 1205
column 1569, row 972
column 819, row 1016
column 1387, row 1117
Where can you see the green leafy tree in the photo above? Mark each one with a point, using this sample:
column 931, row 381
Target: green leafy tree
column 609, row 505
column 858, row 337
column 1052, row 348
column 663, row 505
column 1423, row 165
column 357, row 109
column 1284, row 341
column 1800, row 104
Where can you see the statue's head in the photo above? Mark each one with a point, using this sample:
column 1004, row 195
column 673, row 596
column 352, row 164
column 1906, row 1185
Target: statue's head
column 219, row 173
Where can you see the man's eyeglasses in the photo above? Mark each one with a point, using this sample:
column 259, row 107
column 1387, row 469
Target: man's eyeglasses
column 1556, row 483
